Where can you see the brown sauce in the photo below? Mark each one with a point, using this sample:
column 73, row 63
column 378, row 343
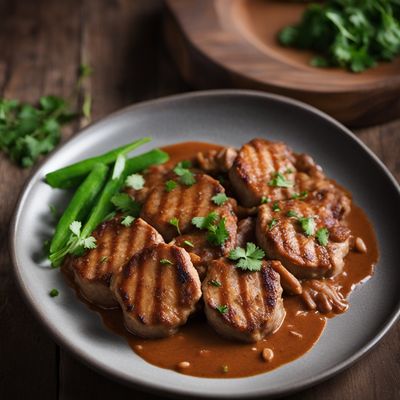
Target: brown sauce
column 208, row 353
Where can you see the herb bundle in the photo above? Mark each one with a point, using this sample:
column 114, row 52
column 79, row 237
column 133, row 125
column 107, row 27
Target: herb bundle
column 352, row 34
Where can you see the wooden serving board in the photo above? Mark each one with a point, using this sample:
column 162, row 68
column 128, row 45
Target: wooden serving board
column 232, row 43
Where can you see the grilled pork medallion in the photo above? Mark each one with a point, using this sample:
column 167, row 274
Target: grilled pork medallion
column 255, row 168
column 305, row 237
column 243, row 305
column 116, row 244
column 185, row 202
column 157, row 290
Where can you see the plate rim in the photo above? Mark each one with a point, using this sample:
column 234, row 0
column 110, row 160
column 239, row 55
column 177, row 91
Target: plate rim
column 91, row 362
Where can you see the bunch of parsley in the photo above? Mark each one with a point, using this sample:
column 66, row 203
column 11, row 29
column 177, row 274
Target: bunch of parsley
column 26, row 132
column 352, row 34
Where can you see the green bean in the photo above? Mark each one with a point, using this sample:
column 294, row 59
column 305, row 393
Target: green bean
column 72, row 175
column 79, row 205
column 145, row 160
column 103, row 204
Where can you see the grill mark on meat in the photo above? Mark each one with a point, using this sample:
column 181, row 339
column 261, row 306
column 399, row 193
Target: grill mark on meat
column 257, row 161
column 272, row 156
column 158, row 292
column 140, row 267
column 130, row 242
column 182, row 276
column 243, row 290
column 285, row 236
column 268, row 287
column 224, row 298
column 307, row 247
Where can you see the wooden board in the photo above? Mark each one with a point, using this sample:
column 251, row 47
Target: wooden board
column 232, row 43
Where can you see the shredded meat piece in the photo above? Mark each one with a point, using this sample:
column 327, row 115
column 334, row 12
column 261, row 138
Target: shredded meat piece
column 215, row 161
column 324, row 296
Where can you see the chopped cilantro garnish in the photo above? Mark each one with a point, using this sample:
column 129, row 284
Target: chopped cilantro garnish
column 87, row 243
column 170, row 185
column 265, row 200
column 103, row 259
column 135, row 181
column 300, row 196
column 223, row 309
column 27, row 131
column 322, row 236
column 249, row 259
column 308, row 225
column 217, row 233
column 123, row 202
column 75, row 245
column 275, row 207
column 165, row 261
column 278, row 180
column 53, row 293
column 185, row 175
column 205, row 222
column 272, row 223
column 219, row 199
column 289, row 171
column 188, row 243
column 175, row 222
column 127, row 221
column 292, row 213
column 214, row 282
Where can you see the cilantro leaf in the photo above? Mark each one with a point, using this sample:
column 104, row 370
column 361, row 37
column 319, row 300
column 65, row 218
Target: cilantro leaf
column 53, row 293
column 124, row 203
column 265, row 200
column 272, row 223
column 219, row 199
column 89, row 242
column 175, row 222
column 186, row 177
column 292, row 214
column 170, row 185
column 75, row 245
column 247, row 259
column 214, row 282
column 135, row 181
column 279, row 180
column 223, row 309
column 299, row 196
column 127, row 220
column 308, row 225
column 217, row 234
column 275, row 207
column 165, row 261
column 205, row 222
column 322, row 236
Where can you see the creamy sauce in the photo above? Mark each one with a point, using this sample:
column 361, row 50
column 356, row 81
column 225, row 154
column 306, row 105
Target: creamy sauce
column 212, row 356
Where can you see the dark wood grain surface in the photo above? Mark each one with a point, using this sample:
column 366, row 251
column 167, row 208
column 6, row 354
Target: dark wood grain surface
column 42, row 43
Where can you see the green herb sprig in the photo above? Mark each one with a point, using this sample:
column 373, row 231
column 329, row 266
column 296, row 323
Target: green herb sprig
column 350, row 34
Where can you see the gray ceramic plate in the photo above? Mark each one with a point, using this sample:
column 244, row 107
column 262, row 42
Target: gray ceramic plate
column 225, row 117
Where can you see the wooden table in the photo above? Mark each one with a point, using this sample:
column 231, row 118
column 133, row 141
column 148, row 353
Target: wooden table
column 42, row 43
